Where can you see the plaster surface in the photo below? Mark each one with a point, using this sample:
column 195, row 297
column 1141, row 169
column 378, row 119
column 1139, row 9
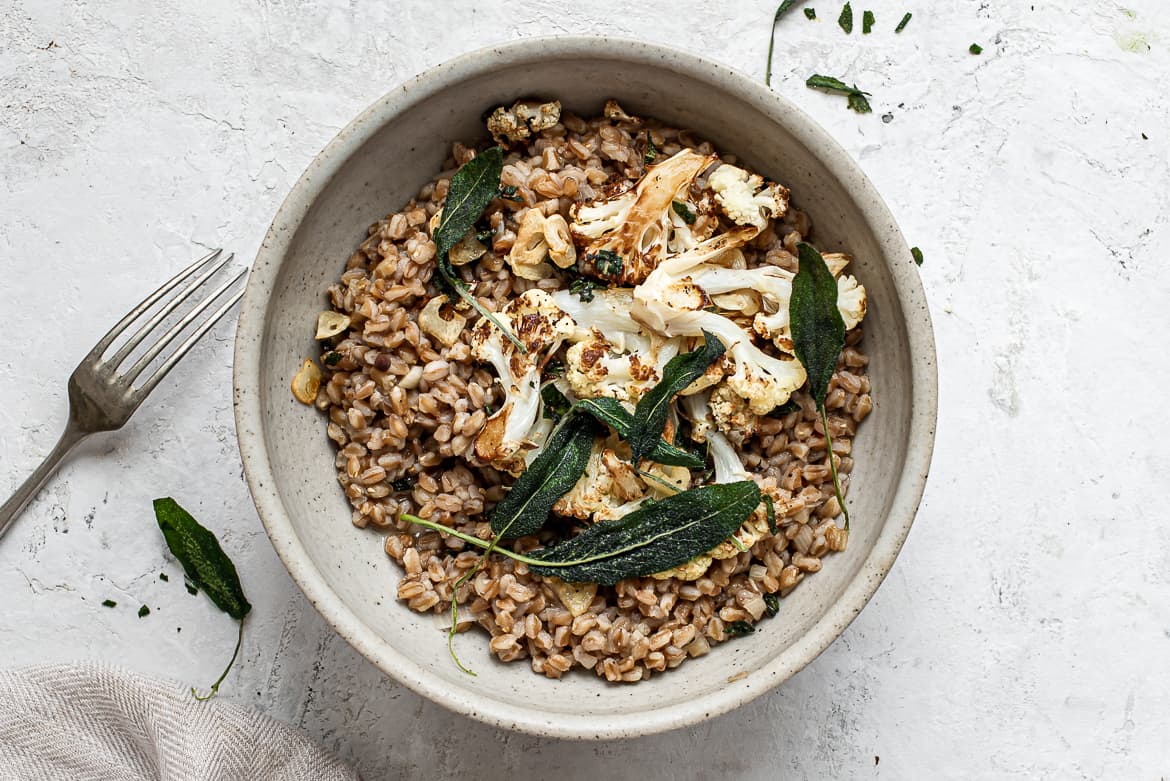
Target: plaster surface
column 1024, row 631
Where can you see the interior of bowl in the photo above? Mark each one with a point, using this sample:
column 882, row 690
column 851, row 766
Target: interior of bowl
column 378, row 163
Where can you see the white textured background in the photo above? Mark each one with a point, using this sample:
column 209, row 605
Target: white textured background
column 1025, row 630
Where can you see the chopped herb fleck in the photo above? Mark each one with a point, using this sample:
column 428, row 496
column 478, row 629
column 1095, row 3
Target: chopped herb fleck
column 846, row 19
column 810, row 13
column 784, row 409
column 554, row 368
column 1145, row 137
column 402, row 484
column 867, row 22
column 917, row 253
column 508, row 193
column 651, row 151
column 771, row 604
column 555, row 403
column 332, row 359
column 583, row 287
column 484, row 235
column 684, row 211
column 975, row 49
column 163, row 577
column 902, row 24
column 143, row 611
column 192, row 589
column 109, row 603
column 739, row 629
column 607, row 262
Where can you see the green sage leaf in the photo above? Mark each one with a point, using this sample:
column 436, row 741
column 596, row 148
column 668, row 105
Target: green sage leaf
column 653, row 538
column 549, row 477
column 204, row 561
column 780, row 11
column 818, row 332
column 206, row 566
column 612, row 413
column 556, row 405
column 652, row 409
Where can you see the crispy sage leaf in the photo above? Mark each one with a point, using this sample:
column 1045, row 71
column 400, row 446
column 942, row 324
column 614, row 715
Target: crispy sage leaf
column 652, row 409
column 653, row 538
column 818, row 332
column 867, row 21
column 202, row 558
column 549, row 477
column 207, row 567
column 613, row 414
column 556, row 405
column 472, row 188
column 780, row 11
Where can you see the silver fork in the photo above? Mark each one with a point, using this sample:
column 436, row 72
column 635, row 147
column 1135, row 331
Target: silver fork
column 102, row 398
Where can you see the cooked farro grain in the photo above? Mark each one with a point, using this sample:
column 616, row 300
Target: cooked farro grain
column 404, row 408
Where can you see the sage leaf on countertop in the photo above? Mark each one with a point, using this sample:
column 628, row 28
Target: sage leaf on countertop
column 652, row 409
column 206, row 566
column 653, row 538
column 549, row 477
column 818, row 336
column 782, row 9
column 613, row 413
column 472, row 188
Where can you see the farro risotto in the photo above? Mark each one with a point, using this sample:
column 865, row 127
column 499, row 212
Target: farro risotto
column 583, row 381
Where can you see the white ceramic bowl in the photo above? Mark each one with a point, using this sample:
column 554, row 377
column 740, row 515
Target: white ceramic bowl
column 379, row 161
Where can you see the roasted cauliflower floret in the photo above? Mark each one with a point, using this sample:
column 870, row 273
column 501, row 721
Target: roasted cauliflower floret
column 732, row 415
column 525, row 117
column 595, row 368
column 607, row 486
column 534, row 318
column 671, row 303
column 728, row 467
column 745, row 197
column 624, row 237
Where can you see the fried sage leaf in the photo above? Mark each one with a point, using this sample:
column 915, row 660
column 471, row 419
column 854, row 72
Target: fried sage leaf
column 818, row 332
column 818, row 336
column 206, row 566
column 651, row 412
column 613, row 414
column 472, row 188
column 549, row 477
column 653, row 538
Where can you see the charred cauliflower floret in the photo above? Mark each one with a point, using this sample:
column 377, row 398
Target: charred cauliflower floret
column 622, row 238
column 534, row 318
column 745, row 197
column 525, row 117
column 607, row 486
column 595, row 368
column 732, row 415
column 671, row 303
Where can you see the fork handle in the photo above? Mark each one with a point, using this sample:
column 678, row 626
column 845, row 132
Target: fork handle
column 11, row 509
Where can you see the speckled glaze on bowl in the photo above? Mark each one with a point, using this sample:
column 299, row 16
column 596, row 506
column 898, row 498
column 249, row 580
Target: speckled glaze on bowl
column 377, row 163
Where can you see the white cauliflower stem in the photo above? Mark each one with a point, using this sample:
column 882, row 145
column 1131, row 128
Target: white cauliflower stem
column 534, row 318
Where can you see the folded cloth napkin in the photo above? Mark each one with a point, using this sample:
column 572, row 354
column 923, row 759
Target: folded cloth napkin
column 97, row 722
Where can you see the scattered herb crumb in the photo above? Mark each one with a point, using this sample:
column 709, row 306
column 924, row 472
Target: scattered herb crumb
column 143, row 611
column 857, row 99
column 810, row 13
column 191, row 588
column 917, row 253
column 975, row 49
column 508, row 193
column 332, row 359
column 888, row 117
column 739, row 629
column 902, row 24
column 1145, row 137
column 651, row 151
column 163, row 577
column 402, row 484
column 109, row 603
column 684, row 211
column 846, row 19
column 867, row 22
column 771, row 604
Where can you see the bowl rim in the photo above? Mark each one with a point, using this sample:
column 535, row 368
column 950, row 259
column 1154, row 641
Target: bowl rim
column 247, row 395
